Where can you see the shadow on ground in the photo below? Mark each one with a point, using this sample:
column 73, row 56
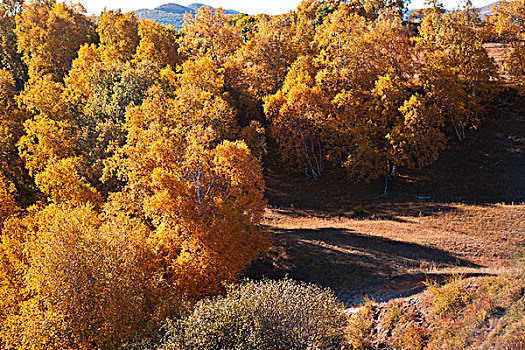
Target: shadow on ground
column 342, row 259
column 382, row 211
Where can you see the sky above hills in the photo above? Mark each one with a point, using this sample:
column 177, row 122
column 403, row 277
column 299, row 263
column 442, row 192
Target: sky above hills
column 270, row 7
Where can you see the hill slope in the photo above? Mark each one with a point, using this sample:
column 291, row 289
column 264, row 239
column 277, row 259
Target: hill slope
column 172, row 14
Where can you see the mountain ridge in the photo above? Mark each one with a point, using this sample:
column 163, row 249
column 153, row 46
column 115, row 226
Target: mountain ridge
column 173, row 14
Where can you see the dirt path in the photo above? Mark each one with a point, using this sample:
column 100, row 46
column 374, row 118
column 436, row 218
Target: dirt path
column 402, row 286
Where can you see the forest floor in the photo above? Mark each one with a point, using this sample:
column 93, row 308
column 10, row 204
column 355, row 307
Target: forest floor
column 339, row 235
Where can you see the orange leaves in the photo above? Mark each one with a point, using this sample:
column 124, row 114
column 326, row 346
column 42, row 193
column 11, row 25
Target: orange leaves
column 119, row 35
column 209, row 34
column 90, row 280
column 418, row 141
column 45, row 141
column 508, row 22
column 208, row 199
column 509, row 19
column 203, row 195
column 7, row 201
column 49, row 36
column 456, row 69
column 100, row 263
column 157, row 45
column 266, row 58
column 61, row 182
column 241, row 178
column 299, row 115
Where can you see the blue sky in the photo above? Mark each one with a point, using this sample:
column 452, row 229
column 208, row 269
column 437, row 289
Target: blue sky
column 252, row 7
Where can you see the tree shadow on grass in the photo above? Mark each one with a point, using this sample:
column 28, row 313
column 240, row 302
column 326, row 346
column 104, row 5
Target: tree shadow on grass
column 397, row 212
column 342, row 258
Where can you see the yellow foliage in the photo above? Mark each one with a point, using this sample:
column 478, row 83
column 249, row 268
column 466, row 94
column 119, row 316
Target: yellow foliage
column 266, row 58
column 83, row 281
column 299, row 114
column 254, row 135
column 78, row 83
column 203, row 195
column 208, row 34
column 12, row 118
column 508, row 22
column 49, row 35
column 61, row 182
column 45, row 141
column 44, row 95
column 7, row 201
column 158, row 45
column 418, row 141
column 9, row 57
column 456, row 69
column 119, row 36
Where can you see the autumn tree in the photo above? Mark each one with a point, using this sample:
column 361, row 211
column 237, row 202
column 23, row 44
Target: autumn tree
column 373, row 8
column 119, row 35
column 367, row 69
column 246, row 24
column 87, row 280
column 266, row 58
column 354, row 52
column 10, row 58
column 49, row 35
column 203, row 195
column 209, row 34
column 456, row 69
column 508, row 22
column 259, row 67
column 78, row 124
column 7, row 200
column 12, row 118
column 158, row 45
column 299, row 114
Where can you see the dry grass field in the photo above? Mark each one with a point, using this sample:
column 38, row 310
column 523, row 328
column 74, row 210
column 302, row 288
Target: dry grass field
column 348, row 253
column 498, row 51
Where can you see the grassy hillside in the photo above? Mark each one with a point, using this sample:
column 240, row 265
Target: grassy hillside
column 438, row 273
column 466, row 313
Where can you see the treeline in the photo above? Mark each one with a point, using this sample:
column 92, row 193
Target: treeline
column 131, row 154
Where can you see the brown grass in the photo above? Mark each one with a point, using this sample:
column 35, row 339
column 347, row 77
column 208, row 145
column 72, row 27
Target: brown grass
column 499, row 52
column 342, row 252
column 465, row 313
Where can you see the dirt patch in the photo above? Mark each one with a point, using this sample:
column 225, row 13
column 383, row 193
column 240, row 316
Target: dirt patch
column 403, row 286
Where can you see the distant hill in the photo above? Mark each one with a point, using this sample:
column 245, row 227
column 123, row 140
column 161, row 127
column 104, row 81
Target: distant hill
column 483, row 11
column 173, row 14
column 487, row 10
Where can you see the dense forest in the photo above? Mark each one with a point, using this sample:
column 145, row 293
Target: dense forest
column 132, row 155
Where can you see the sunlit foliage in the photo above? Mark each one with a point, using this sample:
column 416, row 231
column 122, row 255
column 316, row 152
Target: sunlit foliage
column 132, row 156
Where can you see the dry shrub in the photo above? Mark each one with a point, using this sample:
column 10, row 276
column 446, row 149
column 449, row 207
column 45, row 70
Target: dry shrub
column 449, row 299
column 361, row 325
column 516, row 343
column 262, row 315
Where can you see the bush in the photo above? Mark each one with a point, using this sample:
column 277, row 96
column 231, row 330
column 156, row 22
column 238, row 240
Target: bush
column 262, row 315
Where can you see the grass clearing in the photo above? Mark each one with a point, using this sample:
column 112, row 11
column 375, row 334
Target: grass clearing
column 343, row 253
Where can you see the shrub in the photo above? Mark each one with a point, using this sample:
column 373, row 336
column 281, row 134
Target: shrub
column 449, row 299
column 262, row 315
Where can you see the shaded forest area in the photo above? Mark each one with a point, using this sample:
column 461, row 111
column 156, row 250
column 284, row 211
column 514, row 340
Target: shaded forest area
column 134, row 158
